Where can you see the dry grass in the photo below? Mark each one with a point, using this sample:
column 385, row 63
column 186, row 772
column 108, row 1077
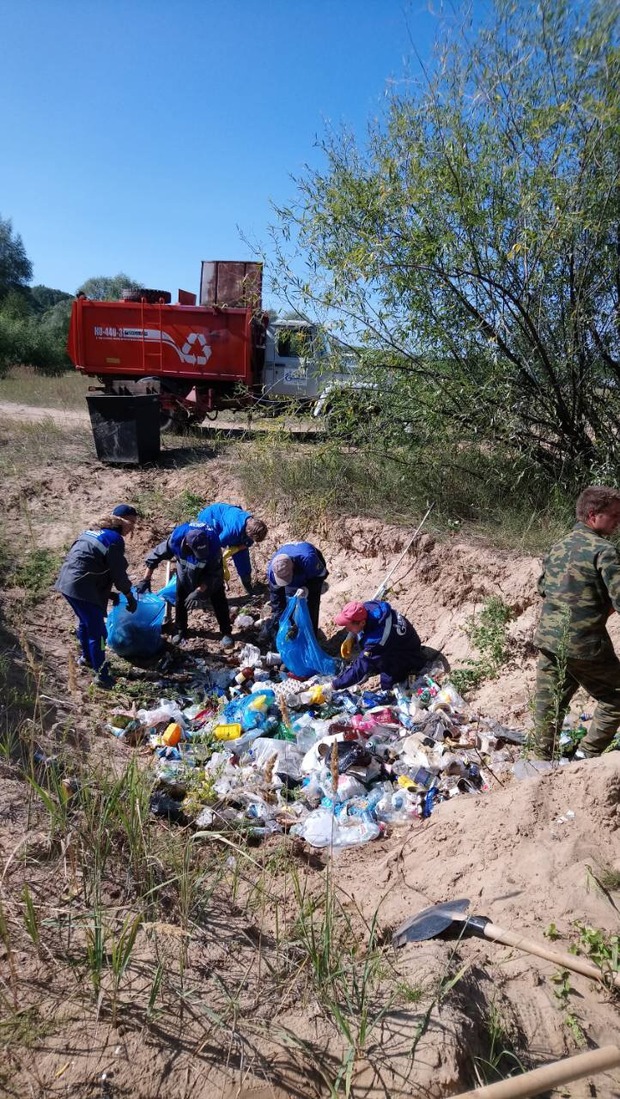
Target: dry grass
column 24, row 385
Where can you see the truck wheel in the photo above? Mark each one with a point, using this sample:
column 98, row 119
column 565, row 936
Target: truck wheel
column 152, row 297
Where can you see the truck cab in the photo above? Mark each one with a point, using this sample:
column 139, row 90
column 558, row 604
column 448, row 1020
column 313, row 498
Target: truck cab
column 298, row 362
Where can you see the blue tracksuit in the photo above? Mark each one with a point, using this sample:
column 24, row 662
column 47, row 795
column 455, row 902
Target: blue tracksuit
column 309, row 571
column 193, row 572
column 95, row 562
column 229, row 522
column 389, row 647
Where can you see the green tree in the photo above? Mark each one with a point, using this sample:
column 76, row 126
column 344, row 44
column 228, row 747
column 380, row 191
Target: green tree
column 15, row 267
column 474, row 239
column 108, row 288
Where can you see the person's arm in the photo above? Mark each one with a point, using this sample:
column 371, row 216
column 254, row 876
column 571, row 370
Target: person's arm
column 609, row 567
column 361, row 668
column 118, row 568
column 162, row 552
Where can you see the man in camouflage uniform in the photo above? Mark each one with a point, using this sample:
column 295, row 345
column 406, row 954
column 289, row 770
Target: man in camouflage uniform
column 580, row 586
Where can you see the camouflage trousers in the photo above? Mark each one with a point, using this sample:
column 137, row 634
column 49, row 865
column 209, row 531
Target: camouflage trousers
column 555, row 686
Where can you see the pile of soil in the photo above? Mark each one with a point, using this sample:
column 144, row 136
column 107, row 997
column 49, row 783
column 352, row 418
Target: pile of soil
column 515, row 853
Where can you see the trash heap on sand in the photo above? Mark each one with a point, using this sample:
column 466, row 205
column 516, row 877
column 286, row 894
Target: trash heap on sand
column 263, row 752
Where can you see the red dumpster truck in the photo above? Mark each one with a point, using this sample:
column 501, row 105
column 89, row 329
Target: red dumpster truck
column 220, row 352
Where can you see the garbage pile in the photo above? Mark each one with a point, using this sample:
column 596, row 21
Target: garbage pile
column 254, row 749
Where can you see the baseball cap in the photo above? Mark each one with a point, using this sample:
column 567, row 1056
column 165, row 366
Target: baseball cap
column 200, row 542
column 282, row 568
column 351, row 614
column 125, row 511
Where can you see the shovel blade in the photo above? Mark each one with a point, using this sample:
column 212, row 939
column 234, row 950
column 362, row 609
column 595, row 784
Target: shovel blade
column 429, row 922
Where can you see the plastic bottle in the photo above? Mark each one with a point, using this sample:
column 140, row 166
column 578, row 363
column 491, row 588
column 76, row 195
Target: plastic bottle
column 172, row 734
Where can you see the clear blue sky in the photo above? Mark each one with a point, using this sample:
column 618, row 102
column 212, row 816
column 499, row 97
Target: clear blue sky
column 142, row 136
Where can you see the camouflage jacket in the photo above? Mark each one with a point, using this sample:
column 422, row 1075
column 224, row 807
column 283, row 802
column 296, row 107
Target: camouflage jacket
column 580, row 586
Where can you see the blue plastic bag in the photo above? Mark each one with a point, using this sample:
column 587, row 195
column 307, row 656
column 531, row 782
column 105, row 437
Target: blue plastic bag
column 137, row 634
column 169, row 591
column 250, row 710
column 297, row 644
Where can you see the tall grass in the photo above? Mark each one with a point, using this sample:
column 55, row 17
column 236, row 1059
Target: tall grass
column 474, row 490
column 25, row 385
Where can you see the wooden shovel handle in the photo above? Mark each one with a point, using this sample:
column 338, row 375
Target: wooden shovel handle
column 558, row 957
column 550, row 1076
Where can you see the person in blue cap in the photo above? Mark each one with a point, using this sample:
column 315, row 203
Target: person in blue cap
column 94, row 565
column 295, row 565
column 237, row 530
column 389, row 645
column 200, row 575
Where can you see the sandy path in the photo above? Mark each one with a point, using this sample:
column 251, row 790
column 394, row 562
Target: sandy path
column 25, row 412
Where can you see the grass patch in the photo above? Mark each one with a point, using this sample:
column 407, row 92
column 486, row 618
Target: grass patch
column 475, row 493
column 36, row 572
column 24, row 445
column 24, row 385
column 487, row 632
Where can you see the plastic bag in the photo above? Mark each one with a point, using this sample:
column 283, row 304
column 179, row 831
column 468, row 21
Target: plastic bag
column 169, row 591
column 249, row 710
column 297, row 644
column 137, row 634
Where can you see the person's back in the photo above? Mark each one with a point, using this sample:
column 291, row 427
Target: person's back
column 576, row 597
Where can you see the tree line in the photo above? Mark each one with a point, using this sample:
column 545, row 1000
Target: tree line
column 34, row 320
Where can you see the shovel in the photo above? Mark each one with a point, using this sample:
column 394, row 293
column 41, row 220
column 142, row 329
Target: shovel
column 550, row 1076
column 452, row 916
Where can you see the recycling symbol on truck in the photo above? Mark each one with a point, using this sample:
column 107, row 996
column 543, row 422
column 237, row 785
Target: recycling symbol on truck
column 187, row 352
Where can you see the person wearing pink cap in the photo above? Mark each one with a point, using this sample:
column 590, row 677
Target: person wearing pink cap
column 389, row 645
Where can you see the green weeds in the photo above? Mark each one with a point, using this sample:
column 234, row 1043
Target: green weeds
column 488, row 634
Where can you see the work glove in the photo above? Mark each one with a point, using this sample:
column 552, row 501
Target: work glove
column 132, row 602
column 302, row 593
column 346, row 649
column 143, row 586
column 115, row 599
column 194, row 599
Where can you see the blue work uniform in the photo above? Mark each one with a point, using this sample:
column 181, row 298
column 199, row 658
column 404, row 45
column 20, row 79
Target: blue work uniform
column 93, row 566
column 309, row 571
column 194, row 572
column 229, row 522
column 390, row 647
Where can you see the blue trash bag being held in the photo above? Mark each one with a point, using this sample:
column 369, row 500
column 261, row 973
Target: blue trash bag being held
column 137, row 634
column 297, row 644
column 169, row 591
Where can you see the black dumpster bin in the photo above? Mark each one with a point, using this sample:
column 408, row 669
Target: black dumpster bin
column 126, row 429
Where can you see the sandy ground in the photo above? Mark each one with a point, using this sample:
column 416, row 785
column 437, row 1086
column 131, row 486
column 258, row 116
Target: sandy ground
column 514, row 853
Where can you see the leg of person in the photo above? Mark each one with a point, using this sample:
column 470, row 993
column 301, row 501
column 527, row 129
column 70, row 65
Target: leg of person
column 601, row 679
column 91, row 631
column 180, row 610
column 314, row 602
column 221, row 610
column 81, row 632
column 555, row 686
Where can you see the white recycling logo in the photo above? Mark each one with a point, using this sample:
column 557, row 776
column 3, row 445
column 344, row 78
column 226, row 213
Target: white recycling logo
column 188, row 354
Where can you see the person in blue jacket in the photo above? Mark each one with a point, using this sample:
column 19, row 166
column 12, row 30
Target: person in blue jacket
column 237, row 529
column 389, row 645
column 96, row 563
column 296, row 565
column 200, row 575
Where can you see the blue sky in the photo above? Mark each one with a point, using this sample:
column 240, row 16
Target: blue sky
column 143, row 135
